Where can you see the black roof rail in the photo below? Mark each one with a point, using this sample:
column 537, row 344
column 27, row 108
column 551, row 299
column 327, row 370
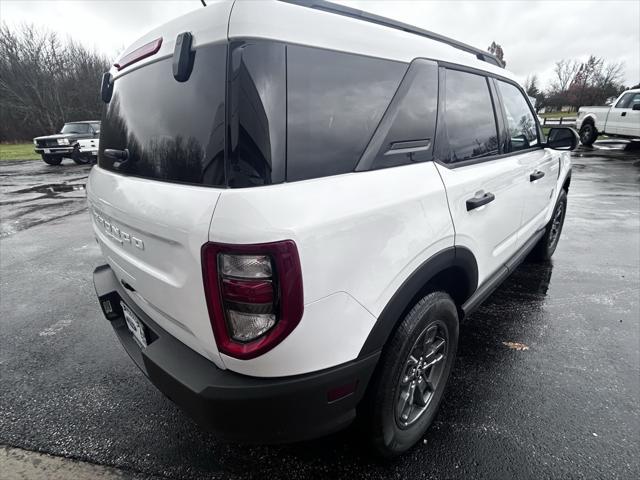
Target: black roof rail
column 387, row 22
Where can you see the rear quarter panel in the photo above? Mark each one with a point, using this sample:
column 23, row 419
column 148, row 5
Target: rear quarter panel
column 359, row 235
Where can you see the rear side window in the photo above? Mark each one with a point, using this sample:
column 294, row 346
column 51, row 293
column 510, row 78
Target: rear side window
column 471, row 130
column 334, row 103
column 256, row 114
column 521, row 125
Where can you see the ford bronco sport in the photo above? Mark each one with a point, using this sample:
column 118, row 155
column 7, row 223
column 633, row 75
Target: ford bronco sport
column 298, row 202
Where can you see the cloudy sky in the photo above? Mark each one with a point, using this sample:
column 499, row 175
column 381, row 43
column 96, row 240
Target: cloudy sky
column 533, row 34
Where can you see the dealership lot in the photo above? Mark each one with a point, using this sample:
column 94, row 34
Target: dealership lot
column 545, row 386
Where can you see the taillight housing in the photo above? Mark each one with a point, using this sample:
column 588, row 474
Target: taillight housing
column 254, row 295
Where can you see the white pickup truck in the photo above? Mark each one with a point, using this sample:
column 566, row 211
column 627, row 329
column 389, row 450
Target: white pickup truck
column 621, row 119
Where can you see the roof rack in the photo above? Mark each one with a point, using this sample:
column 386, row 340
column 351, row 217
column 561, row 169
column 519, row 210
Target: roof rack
column 387, row 22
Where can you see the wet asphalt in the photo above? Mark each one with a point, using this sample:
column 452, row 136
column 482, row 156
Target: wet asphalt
column 546, row 384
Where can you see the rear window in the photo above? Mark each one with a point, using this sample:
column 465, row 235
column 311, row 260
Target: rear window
column 334, row 104
column 174, row 131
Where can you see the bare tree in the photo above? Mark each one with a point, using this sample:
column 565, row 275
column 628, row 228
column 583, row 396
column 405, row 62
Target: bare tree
column 496, row 49
column 45, row 82
column 565, row 71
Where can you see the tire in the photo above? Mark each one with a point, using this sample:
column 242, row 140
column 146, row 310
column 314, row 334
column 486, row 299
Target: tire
column 545, row 248
column 588, row 134
column 399, row 406
column 52, row 159
column 78, row 158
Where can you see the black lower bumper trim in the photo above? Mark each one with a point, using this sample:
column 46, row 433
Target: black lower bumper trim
column 237, row 407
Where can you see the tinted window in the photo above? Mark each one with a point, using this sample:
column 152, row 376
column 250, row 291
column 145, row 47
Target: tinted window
column 335, row 102
column 521, row 124
column 257, row 114
column 174, row 131
column 75, row 128
column 406, row 132
column 470, row 121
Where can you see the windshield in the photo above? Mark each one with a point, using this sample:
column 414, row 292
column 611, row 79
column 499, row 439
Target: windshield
column 75, row 128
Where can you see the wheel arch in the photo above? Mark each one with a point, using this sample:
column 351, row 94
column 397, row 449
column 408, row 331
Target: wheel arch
column 453, row 270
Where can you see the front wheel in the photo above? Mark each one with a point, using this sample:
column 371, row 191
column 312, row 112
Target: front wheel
column 588, row 134
column 545, row 248
column 414, row 368
column 52, row 159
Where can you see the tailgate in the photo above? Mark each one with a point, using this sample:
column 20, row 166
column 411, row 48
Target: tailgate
column 151, row 234
column 161, row 169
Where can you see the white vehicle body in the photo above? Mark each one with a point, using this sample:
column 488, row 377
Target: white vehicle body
column 361, row 234
column 619, row 119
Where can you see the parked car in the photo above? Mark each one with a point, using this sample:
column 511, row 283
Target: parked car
column 621, row 119
column 76, row 140
column 295, row 220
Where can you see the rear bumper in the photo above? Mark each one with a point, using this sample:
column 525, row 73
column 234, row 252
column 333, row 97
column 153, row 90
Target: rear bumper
column 237, row 407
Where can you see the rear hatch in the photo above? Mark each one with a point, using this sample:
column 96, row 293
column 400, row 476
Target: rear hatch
column 152, row 209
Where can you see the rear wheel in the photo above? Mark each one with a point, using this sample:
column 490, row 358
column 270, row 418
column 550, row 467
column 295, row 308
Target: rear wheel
column 52, row 159
column 79, row 158
column 588, row 134
column 414, row 368
column 545, row 248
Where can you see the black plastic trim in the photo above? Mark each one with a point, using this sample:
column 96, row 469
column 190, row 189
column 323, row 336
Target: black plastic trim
column 376, row 144
column 183, row 57
column 237, row 407
column 494, row 281
column 450, row 257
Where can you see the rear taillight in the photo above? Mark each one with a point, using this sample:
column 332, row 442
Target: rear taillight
column 254, row 295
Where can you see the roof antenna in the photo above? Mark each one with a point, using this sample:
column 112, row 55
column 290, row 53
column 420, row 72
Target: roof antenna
column 203, row 4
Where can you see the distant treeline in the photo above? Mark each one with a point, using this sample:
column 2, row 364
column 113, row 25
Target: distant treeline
column 45, row 82
column 578, row 83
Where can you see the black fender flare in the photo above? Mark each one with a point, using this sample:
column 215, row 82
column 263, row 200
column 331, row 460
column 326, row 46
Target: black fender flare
column 459, row 257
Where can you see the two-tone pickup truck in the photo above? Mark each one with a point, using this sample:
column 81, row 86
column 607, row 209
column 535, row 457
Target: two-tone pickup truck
column 78, row 141
column 621, row 119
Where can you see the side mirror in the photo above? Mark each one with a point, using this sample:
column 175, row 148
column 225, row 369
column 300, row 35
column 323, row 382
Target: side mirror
column 562, row 138
column 636, row 106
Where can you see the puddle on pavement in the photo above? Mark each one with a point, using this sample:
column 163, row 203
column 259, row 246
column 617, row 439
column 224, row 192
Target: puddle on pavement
column 52, row 188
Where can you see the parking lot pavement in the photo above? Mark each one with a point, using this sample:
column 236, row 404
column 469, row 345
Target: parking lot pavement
column 33, row 192
column 545, row 385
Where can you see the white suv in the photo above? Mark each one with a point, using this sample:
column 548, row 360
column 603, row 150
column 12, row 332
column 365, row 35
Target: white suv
column 299, row 202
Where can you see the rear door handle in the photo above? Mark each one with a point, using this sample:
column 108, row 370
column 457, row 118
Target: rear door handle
column 624, row 114
column 476, row 202
column 536, row 176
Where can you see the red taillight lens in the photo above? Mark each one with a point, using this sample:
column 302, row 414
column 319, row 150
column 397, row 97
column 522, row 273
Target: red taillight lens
column 254, row 295
column 138, row 54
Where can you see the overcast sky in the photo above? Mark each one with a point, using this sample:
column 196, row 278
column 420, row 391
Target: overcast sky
column 533, row 34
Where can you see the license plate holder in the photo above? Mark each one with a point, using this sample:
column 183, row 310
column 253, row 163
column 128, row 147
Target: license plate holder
column 47, row 150
column 135, row 326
